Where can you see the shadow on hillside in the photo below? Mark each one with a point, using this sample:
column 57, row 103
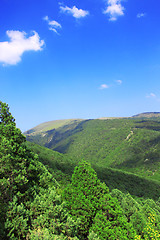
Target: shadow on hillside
column 127, row 182
column 150, row 125
column 64, row 138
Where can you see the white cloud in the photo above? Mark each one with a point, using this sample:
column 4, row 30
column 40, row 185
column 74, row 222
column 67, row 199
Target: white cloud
column 114, row 9
column 74, row 11
column 12, row 51
column 54, row 30
column 103, row 86
column 53, row 25
column 139, row 15
column 119, row 82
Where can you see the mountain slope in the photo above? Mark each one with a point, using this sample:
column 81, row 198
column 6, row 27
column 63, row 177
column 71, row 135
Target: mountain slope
column 132, row 145
column 58, row 164
column 147, row 115
column 62, row 167
column 46, row 126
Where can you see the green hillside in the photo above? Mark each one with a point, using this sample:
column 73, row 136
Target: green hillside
column 62, row 167
column 128, row 144
column 57, row 163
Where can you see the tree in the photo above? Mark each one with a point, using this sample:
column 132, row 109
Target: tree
column 29, row 203
column 110, row 222
column 44, row 218
column 10, row 151
column 100, row 214
column 83, row 196
column 21, row 174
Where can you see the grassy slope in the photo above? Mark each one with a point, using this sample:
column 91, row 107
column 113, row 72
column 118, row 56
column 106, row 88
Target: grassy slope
column 51, row 138
column 51, row 125
column 151, row 115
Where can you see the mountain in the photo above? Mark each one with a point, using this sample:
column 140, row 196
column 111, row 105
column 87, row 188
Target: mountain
column 52, row 134
column 52, row 125
column 126, row 144
column 147, row 115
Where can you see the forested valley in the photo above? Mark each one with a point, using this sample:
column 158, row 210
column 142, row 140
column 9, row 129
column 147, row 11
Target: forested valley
column 85, row 179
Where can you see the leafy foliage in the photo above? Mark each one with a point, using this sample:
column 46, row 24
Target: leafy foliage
column 43, row 218
column 25, row 185
column 88, row 199
column 83, row 196
column 144, row 215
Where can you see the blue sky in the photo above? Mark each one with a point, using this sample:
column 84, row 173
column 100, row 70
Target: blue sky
column 79, row 59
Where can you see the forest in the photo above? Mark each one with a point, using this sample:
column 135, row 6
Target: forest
column 91, row 179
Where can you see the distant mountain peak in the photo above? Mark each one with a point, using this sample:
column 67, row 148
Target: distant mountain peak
column 147, row 115
column 50, row 125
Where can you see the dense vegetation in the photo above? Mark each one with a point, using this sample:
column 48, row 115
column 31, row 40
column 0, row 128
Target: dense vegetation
column 132, row 144
column 61, row 166
column 34, row 205
column 124, row 152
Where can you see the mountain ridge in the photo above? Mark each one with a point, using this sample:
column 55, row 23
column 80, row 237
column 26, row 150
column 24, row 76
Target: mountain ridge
column 49, row 125
column 147, row 115
column 54, row 124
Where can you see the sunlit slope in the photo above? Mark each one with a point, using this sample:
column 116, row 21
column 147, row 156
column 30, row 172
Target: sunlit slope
column 151, row 115
column 48, row 134
column 46, row 126
column 129, row 144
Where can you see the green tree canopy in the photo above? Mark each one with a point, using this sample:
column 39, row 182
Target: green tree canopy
column 100, row 214
column 83, row 196
column 29, row 203
column 21, row 174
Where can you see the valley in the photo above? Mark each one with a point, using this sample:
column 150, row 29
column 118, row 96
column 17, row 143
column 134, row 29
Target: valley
column 127, row 144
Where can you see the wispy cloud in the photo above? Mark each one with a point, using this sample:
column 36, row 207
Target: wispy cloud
column 74, row 11
column 53, row 25
column 140, row 15
column 12, row 51
column 103, row 86
column 114, row 9
column 119, row 82
column 151, row 95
